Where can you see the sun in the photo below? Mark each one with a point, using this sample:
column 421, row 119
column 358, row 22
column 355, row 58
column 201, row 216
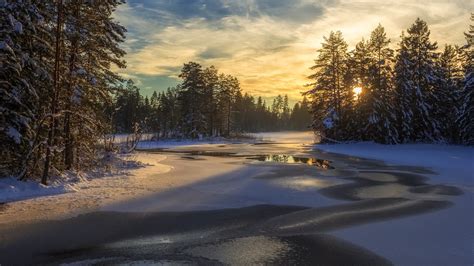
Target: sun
column 357, row 91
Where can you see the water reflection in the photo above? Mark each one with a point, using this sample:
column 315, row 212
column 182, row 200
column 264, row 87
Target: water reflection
column 290, row 159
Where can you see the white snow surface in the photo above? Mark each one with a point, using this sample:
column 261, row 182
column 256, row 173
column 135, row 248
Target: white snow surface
column 11, row 189
column 452, row 164
column 442, row 237
column 14, row 134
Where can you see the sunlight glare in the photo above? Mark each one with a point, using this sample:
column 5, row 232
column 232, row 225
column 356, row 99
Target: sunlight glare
column 357, row 91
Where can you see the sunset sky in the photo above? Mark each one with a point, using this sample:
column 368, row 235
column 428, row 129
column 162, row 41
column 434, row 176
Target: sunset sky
column 267, row 44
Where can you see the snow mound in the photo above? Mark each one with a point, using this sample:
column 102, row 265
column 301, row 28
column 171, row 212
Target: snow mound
column 12, row 189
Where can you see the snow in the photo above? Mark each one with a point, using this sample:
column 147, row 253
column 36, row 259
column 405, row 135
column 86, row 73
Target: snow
column 18, row 27
column 76, row 96
column 4, row 46
column 328, row 123
column 439, row 238
column 14, row 134
column 125, row 179
column 12, row 189
column 124, row 138
column 452, row 164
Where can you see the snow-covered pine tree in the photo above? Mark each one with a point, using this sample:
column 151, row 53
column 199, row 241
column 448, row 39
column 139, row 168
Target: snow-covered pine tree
column 329, row 93
column 191, row 96
column 448, row 91
column 228, row 89
column 359, row 63
column 171, row 111
column 25, row 68
column 86, row 46
column 102, row 36
column 465, row 113
column 416, row 81
column 381, row 116
column 403, row 93
column 211, row 79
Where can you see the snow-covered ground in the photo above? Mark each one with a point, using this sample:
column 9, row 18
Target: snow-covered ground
column 452, row 164
column 124, row 138
column 13, row 190
column 440, row 238
column 125, row 179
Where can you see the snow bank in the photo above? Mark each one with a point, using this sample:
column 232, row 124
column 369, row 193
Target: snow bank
column 453, row 164
column 111, row 165
column 12, row 189
column 124, row 138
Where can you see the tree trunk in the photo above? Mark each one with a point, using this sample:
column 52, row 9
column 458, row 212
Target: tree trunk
column 69, row 143
column 54, row 100
column 228, row 118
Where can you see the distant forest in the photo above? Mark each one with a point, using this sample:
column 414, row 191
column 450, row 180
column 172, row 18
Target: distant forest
column 205, row 104
column 415, row 93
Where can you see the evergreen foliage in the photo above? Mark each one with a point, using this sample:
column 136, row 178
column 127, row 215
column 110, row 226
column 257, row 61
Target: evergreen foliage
column 55, row 79
column 206, row 104
column 417, row 95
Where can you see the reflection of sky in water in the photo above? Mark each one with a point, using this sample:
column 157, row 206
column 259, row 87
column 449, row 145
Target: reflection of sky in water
column 303, row 183
column 290, row 159
column 251, row 250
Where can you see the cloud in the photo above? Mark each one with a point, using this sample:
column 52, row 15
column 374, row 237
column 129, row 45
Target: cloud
column 268, row 44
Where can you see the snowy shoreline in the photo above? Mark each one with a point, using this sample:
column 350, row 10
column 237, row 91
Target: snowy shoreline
column 452, row 164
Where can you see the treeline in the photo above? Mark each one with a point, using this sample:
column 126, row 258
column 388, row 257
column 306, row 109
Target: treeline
column 55, row 79
column 206, row 103
column 412, row 94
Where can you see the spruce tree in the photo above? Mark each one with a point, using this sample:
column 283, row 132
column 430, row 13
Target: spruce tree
column 329, row 93
column 416, row 80
column 465, row 113
column 25, row 76
column 379, row 91
column 191, row 96
column 448, row 91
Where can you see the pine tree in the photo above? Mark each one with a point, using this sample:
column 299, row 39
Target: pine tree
column 25, row 75
column 381, row 116
column 358, row 72
column 211, row 80
column 228, row 90
column 286, row 112
column 450, row 78
column 465, row 113
column 191, row 96
column 416, row 79
column 329, row 93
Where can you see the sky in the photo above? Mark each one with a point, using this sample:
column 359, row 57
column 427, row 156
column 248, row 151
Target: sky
column 269, row 45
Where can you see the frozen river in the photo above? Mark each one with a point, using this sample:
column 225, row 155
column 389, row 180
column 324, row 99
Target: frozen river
column 273, row 201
